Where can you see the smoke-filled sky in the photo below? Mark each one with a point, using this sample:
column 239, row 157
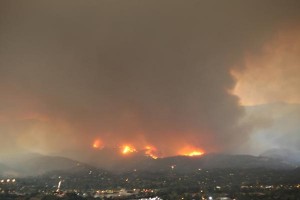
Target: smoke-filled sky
column 170, row 74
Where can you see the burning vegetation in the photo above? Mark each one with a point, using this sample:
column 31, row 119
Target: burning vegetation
column 150, row 150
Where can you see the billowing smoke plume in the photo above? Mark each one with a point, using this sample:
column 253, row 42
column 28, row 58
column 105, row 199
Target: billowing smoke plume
column 138, row 72
column 269, row 85
column 273, row 73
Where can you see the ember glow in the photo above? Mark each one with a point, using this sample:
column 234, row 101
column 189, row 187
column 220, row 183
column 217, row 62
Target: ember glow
column 151, row 151
column 127, row 149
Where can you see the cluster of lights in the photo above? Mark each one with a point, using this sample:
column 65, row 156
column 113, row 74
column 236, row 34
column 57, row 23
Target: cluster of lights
column 8, row 180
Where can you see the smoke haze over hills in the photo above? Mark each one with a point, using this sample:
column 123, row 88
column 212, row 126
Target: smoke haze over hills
column 144, row 73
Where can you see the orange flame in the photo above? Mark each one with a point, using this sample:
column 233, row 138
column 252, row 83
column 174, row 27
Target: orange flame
column 127, row 149
column 150, row 151
column 97, row 144
column 195, row 153
column 191, row 151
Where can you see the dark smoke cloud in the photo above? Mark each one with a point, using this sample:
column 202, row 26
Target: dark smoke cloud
column 142, row 72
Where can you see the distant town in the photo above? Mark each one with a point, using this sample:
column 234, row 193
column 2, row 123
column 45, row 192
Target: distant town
column 202, row 184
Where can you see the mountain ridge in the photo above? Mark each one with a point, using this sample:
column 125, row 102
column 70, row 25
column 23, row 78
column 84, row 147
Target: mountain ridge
column 41, row 164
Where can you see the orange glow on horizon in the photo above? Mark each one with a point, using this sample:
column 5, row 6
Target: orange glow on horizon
column 191, row 151
column 195, row 153
column 97, row 144
column 127, row 149
column 150, row 151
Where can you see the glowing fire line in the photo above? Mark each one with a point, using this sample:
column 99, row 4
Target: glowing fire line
column 195, row 153
column 191, row 151
column 150, row 152
column 127, row 149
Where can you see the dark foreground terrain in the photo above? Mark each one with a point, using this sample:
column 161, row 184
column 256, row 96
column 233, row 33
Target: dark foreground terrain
column 259, row 183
